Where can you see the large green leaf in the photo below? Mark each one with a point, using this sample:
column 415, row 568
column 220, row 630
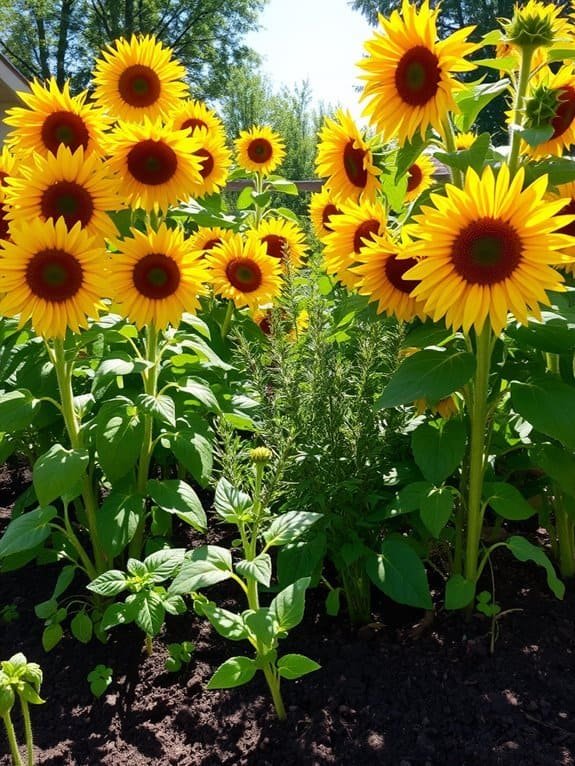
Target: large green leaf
column 507, row 501
column 523, row 550
column 436, row 509
column 58, row 472
column 554, row 333
column 17, row 410
column 195, row 451
column 549, row 405
column 227, row 624
column 119, row 434
column 399, row 573
column 475, row 97
column 289, row 527
column 259, row 568
column 177, row 497
column 289, row 605
column 459, row 592
column 148, row 611
column 229, row 501
column 431, row 374
column 474, row 157
column 558, row 464
column 293, row 666
column 438, row 448
column 233, row 672
column 203, row 567
column 117, row 521
column 27, row 531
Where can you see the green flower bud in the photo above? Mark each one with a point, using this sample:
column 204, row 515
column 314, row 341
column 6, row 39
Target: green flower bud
column 533, row 25
column 260, row 455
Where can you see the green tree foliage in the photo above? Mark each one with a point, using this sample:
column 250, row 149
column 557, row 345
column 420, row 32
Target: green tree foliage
column 62, row 37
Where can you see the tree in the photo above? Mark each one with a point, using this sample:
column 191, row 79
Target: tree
column 61, row 38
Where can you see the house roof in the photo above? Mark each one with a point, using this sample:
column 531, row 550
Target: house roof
column 10, row 78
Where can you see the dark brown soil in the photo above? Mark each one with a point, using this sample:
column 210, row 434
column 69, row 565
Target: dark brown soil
column 382, row 698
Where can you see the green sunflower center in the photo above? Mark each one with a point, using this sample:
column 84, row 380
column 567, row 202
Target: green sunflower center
column 276, row 246
column 156, row 276
column 244, row 274
column 139, row 86
column 394, row 271
column 64, row 128
column 486, row 251
column 152, row 162
column 260, row 150
column 54, row 275
column 365, row 231
column 417, row 76
column 353, row 165
column 68, row 200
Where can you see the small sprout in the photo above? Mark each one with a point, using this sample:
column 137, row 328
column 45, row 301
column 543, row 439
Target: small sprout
column 180, row 654
column 9, row 613
column 99, row 679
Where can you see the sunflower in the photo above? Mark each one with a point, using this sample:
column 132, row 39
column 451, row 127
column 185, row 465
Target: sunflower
column 419, row 177
column 445, row 408
column 215, row 160
column 156, row 276
column 259, row 148
column 67, row 185
column 535, row 24
column 157, row 166
column 551, row 103
column 244, row 273
column 283, row 240
column 207, row 237
column 191, row 115
column 321, row 208
column 409, row 73
column 346, row 159
column 567, row 193
column 465, row 141
column 356, row 225
column 54, row 117
column 7, row 167
column 138, row 79
column 380, row 276
column 53, row 276
column 487, row 249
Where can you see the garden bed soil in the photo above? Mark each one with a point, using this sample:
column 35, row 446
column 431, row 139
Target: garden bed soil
column 382, row 696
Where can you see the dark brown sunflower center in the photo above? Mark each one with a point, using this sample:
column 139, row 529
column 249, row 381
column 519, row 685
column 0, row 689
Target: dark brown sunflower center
column 207, row 162
column 414, row 177
column 244, row 274
column 329, row 210
column 260, row 150
column 365, row 231
column 569, row 209
column 3, row 177
column 156, row 276
column 394, row 271
column 276, row 246
column 64, row 128
column 4, row 224
column 486, row 251
column 54, row 275
column 152, row 162
column 192, row 124
column 67, row 200
column 353, row 165
column 417, row 76
column 212, row 243
column 565, row 111
column 139, row 86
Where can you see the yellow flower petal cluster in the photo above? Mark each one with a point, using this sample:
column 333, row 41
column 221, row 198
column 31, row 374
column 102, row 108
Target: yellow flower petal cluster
column 207, row 237
column 419, row 177
column 259, row 149
column 215, row 160
column 321, row 208
column 488, row 249
column 408, row 72
column 283, row 240
column 193, row 115
column 138, row 78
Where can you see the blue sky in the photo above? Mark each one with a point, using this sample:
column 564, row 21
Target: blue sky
column 318, row 40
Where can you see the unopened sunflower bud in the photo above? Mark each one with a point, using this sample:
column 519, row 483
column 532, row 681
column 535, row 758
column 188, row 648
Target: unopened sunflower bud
column 260, row 455
column 533, row 25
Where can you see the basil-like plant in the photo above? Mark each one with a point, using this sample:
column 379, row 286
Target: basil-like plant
column 19, row 679
column 148, row 600
column 262, row 626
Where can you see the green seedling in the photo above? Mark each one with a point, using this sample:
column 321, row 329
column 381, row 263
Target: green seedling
column 19, row 679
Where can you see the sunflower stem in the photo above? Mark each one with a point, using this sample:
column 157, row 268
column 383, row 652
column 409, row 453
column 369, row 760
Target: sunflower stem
column 517, row 119
column 64, row 372
column 450, row 146
column 227, row 319
column 478, row 421
column 27, row 731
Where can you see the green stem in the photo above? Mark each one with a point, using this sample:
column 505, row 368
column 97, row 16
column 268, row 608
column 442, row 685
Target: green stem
column 227, row 319
column 552, row 363
column 478, row 417
column 28, row 731
column 150, row 377
column 517, row 119
column 149, row 645
column 274, row 684
column 449, row 141
column 16, row 760
column 459, row 531
column 64, row 378
column 565, row 542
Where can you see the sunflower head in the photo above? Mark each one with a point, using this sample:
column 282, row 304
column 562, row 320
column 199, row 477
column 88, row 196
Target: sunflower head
column 488, row 249
column 156, row 276
column 215, row 159
column 409, row 73
column 7, row 170
column 207, row 237
column 533, row 25
column 54, row 276
column 156, row 165
column 243, row 272
column 194, row 115
column 566, row 192
column 138, row 78
column 283, row 240
column 419, row 177
column 321, row 208
column 551, row 104
column 345, row 158
column 259, row 149
column 464, row 141
column 53, row 117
